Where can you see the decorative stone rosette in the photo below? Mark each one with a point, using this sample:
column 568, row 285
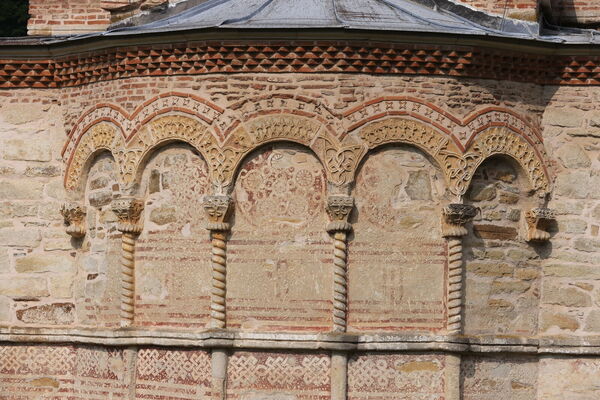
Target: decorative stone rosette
column 74, row 215
column 538, row 220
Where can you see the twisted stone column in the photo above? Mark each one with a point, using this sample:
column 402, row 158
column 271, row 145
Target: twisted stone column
column 74, row 215
column 455, row 216
column 339, row 209
column 218, row 209
column 128, row 211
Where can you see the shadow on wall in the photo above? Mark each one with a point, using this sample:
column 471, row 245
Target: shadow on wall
column 502, row 270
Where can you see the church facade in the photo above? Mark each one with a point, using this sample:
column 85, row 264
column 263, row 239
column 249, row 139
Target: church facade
column 294, row 200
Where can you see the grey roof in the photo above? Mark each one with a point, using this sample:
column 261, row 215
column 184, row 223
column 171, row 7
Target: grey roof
column 426, row 16
column 387, row 15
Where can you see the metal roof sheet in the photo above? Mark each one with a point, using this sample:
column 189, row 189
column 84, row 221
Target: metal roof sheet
column 378, row 15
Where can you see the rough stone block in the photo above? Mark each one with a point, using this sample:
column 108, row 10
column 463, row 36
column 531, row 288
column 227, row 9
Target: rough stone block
column 550, row 320
column 573, row 156
column 23, row 287
column 53, row 314
column 564, row 117
column 486, row 231
column 27, row 150
column 21, row 190
column 37, row 263
column 568, row 297
column 20, row 237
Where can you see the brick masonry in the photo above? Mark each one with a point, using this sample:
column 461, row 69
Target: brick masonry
column 519, row 297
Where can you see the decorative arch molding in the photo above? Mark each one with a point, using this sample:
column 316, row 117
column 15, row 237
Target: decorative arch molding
column 131, row 123
column 340, row 141
column 102, row 136
column 462, row 131
column 502, row 141
column 263, row 129
column 459, row 166
column 435, row 144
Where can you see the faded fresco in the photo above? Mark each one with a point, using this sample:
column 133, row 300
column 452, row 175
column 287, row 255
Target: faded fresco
column 278, row 269
column 397, row 257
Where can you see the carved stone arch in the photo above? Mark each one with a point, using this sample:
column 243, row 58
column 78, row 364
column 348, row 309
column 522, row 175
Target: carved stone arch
column 439, row 147
column 159, row 132
column 504, row 142
column 100, row 137
column 269, row 129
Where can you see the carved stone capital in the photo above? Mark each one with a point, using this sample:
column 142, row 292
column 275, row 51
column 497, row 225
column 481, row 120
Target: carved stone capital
column 454, row 218
column 74, row 215
column 128, row 211
column 339, row 209
column 537, row 223
column 218, row 208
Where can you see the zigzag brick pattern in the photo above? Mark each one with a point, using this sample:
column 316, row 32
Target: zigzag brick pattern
column 372, row 58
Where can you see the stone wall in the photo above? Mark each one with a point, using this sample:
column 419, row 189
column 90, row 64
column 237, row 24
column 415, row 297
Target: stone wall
column 531, row 310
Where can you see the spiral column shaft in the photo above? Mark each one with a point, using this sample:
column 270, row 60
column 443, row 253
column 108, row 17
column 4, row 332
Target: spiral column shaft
column 128, row 211
column 127, row 278
column 340, row 284
column 218, row 209
column 455, row 216
column 219, row 279
column 339, row 208
column 455, row 285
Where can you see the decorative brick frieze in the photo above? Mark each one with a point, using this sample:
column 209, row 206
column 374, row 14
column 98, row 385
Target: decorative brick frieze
column 277, row 57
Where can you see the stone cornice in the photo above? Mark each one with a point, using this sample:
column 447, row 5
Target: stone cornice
column 307, row 341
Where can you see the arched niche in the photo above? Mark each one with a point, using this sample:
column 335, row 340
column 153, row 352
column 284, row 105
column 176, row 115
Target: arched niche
column 99, row 256
column 100, row 138
column 279, row 274
column 172, row 251
column 502, row 276
column 397, row 257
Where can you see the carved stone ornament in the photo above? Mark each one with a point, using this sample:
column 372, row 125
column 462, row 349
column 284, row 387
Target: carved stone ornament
column 537, row 223
column 74, row 216
column 218, row 209
column 128, row 211
column 454, row 218
column 339, row 209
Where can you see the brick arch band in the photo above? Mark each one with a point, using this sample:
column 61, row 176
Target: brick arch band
column 224, row 138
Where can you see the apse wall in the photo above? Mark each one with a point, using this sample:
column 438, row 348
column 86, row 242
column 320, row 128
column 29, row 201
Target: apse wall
column 280, row 145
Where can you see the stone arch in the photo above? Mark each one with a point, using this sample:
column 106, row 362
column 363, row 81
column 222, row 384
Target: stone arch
column 261, row 131
column 504, row 142
column 99, row 138
column 160, row 132
column 437, row 146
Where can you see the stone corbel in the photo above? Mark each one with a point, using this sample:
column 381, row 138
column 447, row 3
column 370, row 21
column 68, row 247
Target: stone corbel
column 339, row 209
column 218, row 210
column 128, row 212
column 74, row 215
column 454, row 218
column 538, row 220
